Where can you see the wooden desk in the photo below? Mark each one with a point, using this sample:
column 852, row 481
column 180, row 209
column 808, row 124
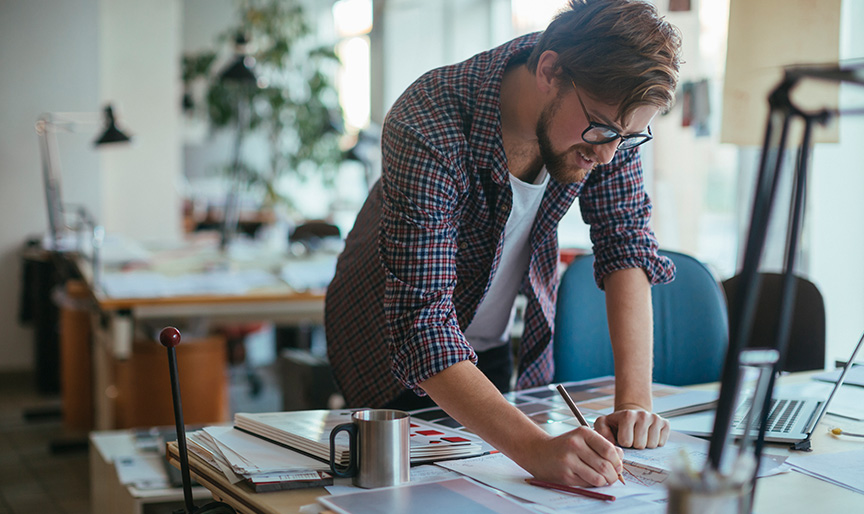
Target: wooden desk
column 115, row 320
column 789, row 493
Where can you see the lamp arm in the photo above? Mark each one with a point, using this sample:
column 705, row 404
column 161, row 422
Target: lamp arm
column 782, row 111
column 69, row 121
column 47, row 126
column 853, row 74
column 51, row 177
column 781, row 97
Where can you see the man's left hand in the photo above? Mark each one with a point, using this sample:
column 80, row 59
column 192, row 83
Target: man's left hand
column 633, row 428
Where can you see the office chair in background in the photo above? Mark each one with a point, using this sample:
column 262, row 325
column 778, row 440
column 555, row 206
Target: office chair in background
column 806, row 350
column 691, row 330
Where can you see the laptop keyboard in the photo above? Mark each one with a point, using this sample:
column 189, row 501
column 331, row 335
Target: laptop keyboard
column 781, row 419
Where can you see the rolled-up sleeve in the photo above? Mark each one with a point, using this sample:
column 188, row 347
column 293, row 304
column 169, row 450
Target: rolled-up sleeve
column 617, row 208
column 418, row 244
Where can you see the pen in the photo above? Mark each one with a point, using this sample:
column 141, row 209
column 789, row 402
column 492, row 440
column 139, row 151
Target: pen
column 571, row 489
column 578, row 414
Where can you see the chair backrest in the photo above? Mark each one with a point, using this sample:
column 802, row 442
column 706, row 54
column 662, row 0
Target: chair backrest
column 691, row 331
column 806, row 350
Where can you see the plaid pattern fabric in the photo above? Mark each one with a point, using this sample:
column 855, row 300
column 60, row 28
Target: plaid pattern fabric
column 427, row 241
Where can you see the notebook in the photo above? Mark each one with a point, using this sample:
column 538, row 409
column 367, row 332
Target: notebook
column 791, row 419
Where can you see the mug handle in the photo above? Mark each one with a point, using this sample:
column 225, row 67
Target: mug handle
column 351, row 470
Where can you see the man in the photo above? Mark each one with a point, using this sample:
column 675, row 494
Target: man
column 481, row 161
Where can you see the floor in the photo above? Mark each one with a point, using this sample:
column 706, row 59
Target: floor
column 44, row 468
column 32, row 477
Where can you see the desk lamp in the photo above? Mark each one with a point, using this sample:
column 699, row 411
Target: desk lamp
column 47, row 127
column 783, row 111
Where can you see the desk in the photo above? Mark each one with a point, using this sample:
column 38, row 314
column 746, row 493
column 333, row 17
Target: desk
column 783, row 494
column 115, row 319
column 107, row 494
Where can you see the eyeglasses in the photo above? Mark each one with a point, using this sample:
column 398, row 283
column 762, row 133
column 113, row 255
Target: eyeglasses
column 600, row 134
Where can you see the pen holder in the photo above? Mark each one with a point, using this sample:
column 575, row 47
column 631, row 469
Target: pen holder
column 709, row 492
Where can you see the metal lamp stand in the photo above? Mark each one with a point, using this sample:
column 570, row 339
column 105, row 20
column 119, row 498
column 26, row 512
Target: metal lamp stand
column 781, row 115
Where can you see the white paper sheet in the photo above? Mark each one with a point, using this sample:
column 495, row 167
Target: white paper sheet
column 664, row 457
column 142, row 471
column 843, row 469
column 498, row 471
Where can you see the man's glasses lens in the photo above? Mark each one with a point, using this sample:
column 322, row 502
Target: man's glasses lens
column 597, row 134
column 633, row 142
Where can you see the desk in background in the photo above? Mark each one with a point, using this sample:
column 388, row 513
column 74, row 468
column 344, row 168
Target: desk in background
column 121, row 314
column 788, row 493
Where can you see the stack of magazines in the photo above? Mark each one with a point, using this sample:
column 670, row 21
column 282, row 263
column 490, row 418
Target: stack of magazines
column 308, row 432
column 264, row 466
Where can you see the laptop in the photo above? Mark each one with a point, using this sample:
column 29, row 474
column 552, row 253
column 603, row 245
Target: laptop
column 791, row 420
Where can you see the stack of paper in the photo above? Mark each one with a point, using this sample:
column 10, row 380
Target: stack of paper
column 265, row 466
column 309, row 432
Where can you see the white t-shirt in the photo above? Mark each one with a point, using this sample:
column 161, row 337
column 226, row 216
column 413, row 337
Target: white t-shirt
column 491, row 325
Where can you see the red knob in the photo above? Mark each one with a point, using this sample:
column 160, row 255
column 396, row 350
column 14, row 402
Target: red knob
column 169, row 337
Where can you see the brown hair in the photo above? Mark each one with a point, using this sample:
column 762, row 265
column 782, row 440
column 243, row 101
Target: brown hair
column 619, row 51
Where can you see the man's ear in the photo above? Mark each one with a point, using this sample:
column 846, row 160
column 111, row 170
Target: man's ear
column 546, row 74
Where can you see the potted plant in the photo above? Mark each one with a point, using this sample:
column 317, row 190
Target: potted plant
column 288, row 98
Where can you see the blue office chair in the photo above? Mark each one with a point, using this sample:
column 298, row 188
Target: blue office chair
column 691, row 329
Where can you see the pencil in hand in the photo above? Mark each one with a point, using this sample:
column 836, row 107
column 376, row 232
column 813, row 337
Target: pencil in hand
column 578, row 414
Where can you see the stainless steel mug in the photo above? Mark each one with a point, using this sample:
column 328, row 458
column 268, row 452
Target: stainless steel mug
column 379, row 454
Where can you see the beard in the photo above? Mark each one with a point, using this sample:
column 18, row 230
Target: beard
column 556, row 162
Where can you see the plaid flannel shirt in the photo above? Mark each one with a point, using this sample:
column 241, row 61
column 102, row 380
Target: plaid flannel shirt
column 428, row 239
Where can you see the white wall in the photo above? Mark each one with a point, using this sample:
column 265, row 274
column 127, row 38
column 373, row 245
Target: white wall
column 419, row 36
column 48, row 52
column 72, row 56
column 139, row 71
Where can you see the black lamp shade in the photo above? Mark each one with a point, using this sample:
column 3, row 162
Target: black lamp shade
column 111, row 134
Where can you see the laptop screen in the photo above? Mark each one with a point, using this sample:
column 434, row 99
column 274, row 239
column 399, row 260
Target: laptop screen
column 837, row 385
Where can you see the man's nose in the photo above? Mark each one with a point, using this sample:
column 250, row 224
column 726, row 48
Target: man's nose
column 606, row 152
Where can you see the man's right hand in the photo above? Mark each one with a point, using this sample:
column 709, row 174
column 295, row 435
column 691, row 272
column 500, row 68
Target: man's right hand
column 581, row 457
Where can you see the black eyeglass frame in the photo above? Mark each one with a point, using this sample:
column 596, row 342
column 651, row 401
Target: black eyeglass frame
column 623, row 144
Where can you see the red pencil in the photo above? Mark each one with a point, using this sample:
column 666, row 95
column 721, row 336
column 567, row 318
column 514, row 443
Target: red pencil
column 571, row 489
